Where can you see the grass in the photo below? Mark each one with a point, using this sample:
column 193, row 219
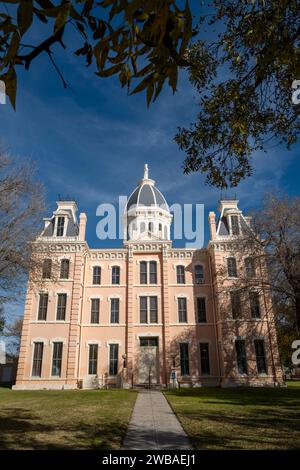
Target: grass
column 93, row 419
column 248, row 418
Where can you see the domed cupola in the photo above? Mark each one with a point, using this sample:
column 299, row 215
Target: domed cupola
column 147, row 215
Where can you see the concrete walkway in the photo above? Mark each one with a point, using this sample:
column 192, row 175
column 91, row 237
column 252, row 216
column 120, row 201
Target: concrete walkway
column 153, row 425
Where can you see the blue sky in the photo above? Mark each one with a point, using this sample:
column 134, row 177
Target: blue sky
column 91, row 143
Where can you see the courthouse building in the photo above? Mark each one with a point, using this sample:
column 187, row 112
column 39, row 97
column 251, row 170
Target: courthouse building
column 146, row 313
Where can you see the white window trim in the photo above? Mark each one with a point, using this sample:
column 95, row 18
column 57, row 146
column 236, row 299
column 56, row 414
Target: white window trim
column 92, row 297
column 181, row 296
column 39, row 340
column 111, row 265
column 58, row 340
column 92, row 341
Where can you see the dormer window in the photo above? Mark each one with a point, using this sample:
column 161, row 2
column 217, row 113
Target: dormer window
column 235, row 228
column 60, row 226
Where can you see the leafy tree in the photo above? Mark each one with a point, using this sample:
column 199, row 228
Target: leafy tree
column 272, row 243
column 140, row 39
column 13, row 332
column 286, row 331
column 244, row 75
column 243, row 65
column 21, row 209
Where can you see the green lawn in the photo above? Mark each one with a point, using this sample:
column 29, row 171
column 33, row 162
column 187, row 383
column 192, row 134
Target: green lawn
column 248, row 418
column 77, row 419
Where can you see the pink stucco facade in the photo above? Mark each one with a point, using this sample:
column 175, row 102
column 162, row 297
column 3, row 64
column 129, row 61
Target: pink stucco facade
column 130, row 341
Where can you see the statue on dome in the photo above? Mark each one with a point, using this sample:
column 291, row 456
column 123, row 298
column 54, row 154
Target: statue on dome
column 146, row 172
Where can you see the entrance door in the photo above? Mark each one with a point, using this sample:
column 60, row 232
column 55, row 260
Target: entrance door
column 148, row 361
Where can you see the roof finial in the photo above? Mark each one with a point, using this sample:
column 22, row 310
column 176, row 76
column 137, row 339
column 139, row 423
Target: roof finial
column 146, row 172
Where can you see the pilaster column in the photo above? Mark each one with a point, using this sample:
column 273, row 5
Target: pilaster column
column 165, row 314
column 74, row 329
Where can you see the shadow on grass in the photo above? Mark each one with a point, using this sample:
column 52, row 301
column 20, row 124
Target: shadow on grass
column 244, row 418
column 24, row 430
column 246, row 395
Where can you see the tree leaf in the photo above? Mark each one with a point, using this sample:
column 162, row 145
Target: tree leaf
column 25, row 15
column 62, row 16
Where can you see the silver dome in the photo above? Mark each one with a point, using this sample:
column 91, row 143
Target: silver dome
column 147, row 195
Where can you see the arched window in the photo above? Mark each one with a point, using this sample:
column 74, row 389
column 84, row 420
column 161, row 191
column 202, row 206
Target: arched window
column 143, row 227
column 160, row 227
column 150, row 227
column 199, row 274
column 64, row 268
column 47, row 267
column 97, row 275
column 180, row 274
column 115, row 276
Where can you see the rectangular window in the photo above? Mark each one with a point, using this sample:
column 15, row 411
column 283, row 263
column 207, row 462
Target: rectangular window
column 235, row 304
column 143, row 310
column 60, row 226
column 241, row 356
column 260, row 356
column 235, row 228
column 47, row 267
column 204, row 358
column 93, row 359
column 97, row 275
column 180, row 274
column 231, row 267
column 114, row 310
column 64, row 269
column 95, row 310
column 115, row 278
column 143, row 272
column 61, row 307
column 201, row 309
column 182, row 311
column 184, row 359
column 57, row 359
column 37, row 359
column 153, row 272
column 199, row 275
column 250, row 267
column 254, row 304
column 43, row 307
column 113, row 359
column 153, row 309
